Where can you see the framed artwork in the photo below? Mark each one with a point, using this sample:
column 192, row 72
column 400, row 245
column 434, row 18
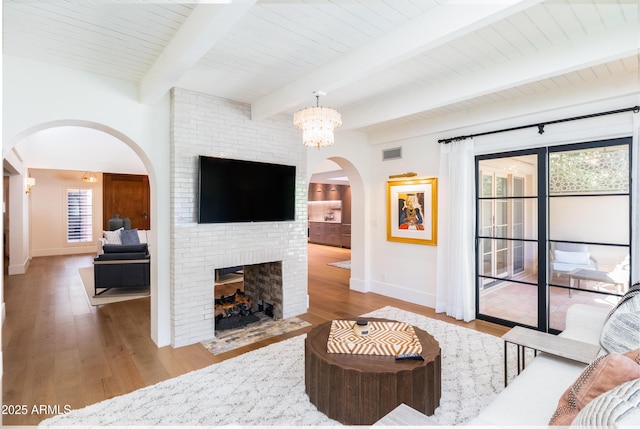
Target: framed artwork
column 412, row 211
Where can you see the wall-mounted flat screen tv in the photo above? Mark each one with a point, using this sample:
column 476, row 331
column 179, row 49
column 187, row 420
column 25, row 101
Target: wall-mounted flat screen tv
column 232, row 190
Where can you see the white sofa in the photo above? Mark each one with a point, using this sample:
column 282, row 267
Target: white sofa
column 532, row 397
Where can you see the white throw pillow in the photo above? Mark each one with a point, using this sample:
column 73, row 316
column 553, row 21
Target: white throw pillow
column 112, row 237
column 579, row 258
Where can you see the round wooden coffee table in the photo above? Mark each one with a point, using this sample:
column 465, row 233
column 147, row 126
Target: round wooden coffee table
column 361, row 389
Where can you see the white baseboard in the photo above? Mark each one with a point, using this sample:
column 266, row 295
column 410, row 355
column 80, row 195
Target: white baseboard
column 18, row 268
column 65, row 251
column 359, row 285
column 404, row 294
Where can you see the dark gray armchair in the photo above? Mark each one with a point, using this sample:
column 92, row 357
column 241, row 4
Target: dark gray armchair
column 122, row 266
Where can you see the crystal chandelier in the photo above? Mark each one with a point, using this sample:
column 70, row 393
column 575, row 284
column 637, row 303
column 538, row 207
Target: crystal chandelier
column 317, row 123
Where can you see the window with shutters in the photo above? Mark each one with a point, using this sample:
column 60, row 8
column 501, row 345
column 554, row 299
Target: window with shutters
column 79, row 215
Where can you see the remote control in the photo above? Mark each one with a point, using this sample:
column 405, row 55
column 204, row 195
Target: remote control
column 409, row 356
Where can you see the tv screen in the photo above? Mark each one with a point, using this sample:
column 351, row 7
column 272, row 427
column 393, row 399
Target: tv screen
column 231, row 190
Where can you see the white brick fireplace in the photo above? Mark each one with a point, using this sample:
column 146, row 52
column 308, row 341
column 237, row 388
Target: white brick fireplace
column 212, row 126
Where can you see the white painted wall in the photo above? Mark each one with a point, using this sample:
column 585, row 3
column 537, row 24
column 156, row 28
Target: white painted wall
column 18, row 210
column 48, row 216
column 19, row 255
column 402, row 270
column 408, row 271
column 41, row 96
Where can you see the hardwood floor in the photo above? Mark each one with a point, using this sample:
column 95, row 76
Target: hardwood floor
column 60, row 351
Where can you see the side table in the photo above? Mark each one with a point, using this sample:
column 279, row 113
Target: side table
column 547, row 343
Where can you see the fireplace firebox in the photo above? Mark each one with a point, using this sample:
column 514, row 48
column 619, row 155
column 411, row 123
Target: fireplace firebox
column 261, row 293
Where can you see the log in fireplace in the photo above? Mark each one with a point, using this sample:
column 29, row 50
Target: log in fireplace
column 234, row 311
column 238, row 303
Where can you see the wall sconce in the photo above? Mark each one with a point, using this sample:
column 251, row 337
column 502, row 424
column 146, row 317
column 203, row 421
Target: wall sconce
column 31, row 182
column 407, row 174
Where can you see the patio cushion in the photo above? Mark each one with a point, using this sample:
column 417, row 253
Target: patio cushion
column 579, row 258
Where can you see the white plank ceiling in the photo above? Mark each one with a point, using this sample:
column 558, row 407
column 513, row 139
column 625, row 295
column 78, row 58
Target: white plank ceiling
column 384, row 63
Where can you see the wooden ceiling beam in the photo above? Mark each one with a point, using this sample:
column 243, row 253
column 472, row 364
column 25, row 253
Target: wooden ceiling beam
column 444, row 23
column 204, row 27
column 573, row 55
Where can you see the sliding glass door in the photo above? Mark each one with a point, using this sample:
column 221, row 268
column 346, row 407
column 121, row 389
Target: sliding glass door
column 589, row 225
column 553, row 229
column 508, row 236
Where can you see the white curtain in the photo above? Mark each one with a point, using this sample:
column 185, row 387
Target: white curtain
column 635, row 200
column 455, row 282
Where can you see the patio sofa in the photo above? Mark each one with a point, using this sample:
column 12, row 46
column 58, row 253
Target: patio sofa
column 541, row 391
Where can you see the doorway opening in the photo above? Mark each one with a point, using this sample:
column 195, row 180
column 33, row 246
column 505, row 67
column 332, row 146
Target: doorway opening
column 329, row 214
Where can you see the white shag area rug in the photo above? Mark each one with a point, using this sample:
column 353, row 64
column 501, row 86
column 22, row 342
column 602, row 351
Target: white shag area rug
column 265, row 387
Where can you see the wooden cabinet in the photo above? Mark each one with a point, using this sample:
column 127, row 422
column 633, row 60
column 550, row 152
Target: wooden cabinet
column 334, row 234
column 331, row 233
column 346, row 236
column 316, row 232
column 325, row 233
column 346, row 205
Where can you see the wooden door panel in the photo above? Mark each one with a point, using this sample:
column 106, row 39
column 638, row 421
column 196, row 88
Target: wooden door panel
column 127, row 195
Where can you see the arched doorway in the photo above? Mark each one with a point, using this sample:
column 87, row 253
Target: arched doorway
column 341, row 170
column 112, row 151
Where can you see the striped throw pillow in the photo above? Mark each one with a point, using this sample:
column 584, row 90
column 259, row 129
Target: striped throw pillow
column 621, row 330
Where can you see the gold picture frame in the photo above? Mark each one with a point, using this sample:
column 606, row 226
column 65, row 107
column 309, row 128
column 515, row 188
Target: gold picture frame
column 412, row 211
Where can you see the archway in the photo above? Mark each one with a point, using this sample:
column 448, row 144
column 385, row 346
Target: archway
column 357, row 280
column 11, row 159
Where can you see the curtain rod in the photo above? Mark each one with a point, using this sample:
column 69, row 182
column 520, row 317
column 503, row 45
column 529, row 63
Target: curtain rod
column 540, row 125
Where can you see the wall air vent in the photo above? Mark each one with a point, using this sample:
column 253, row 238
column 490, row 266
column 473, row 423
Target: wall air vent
column 389, row 154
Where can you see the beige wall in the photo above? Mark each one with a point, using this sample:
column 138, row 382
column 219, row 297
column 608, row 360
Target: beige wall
column 48, row 212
